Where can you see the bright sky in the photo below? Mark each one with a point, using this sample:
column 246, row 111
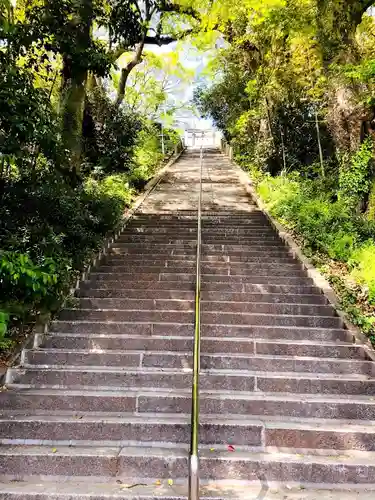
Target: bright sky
column 194, row 60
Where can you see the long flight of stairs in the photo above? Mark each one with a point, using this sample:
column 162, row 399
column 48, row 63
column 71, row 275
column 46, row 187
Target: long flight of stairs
column 100, row 407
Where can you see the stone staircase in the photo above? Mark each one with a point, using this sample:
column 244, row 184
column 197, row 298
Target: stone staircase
column 100, row 407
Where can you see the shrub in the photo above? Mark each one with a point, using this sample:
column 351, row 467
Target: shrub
column 355, row 175
column 324, row 226
column 362, row 263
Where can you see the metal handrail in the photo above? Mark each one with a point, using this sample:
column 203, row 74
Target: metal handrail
column 194, row 459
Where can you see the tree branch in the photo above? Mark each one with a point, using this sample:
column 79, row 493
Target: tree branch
column 166, row 39
column 125, row 72
column 165, row 6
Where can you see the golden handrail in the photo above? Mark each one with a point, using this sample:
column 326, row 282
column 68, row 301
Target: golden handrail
column 194, row 459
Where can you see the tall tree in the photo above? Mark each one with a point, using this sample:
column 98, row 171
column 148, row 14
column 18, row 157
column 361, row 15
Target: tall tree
column 153, row 18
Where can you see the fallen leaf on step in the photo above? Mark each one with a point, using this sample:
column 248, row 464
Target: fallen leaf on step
column 158, row 482
column 54, row 450
column 170, row 482
column 212, row 449
column 231, row 448
column 129, row 486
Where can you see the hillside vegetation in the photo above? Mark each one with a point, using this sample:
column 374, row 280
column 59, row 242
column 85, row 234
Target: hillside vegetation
column 293, row 93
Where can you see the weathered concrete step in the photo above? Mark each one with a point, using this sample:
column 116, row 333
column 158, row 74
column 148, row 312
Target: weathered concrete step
column 309, row 406
column 207, row 248
column 125, row 430
column 248, row 242
column 250, row 319
column 221, row 259
column 144, row 246
column 181, row 317
column 262, row 277
column 319, row 435
column 226, row 345
column 153, row 250
column 182, row 360
column 268, row 308
column 214, row 229
column 272, row 298
column 208, row 318
column 134, row 462
column 209, row 345
column 220, row 380
column 122, row 431
column 262, row 288
column 351, row 407
column 172, row 285
column 242, row 225
column 242, row 249
column 177, row 295
column 219, row 331
column 21, row 462
column 187, row 286
column 138, row 304
column 71, row 377
column 214, row 232
column 289, row 466
column 142, row 269
column 151, row 276
column 190, row 251
column 155, row 240
column 244, row 268
column 68, row 489
column 213, row 306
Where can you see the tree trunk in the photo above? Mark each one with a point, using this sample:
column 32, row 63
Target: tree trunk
column 319, row 145
column 72, row 110
column 73, row 91
column 125, row 72
column 371, row 203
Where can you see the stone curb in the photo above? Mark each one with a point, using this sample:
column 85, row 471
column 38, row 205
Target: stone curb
column 318, row 279
column 34, row 339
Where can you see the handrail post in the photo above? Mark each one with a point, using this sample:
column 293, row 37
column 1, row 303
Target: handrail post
column 193, row 458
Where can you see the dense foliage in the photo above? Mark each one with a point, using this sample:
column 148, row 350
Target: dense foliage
column 294, row 94
column 71, row 158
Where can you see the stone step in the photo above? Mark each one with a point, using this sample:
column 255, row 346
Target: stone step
column 129, row 304
column 176, row 295
column 72, row 377
column 181, row 317
column 19, row 463
column 262, row 277
column 148, row 272
column 219, row 331
column 213, row 380
column 165, row 285
column 107, row 430
column 252, row 319
column 259, row 230
column 207, row 287
column 151, row 260
column 272, row 298
column 207, row 317
column 290, row 269
column 265, row 288
column 223, row 306
column 226, row 345
column 183, row 360
column 146, row 251
column 310, row 406
column 73, row 489
column 207, row 248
